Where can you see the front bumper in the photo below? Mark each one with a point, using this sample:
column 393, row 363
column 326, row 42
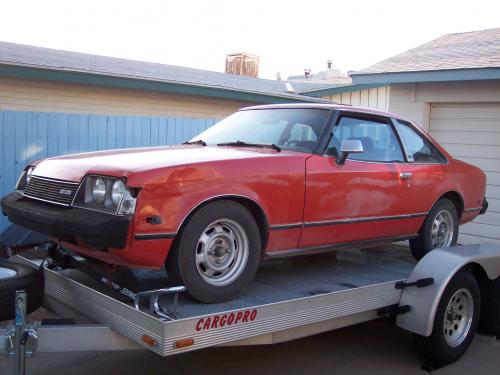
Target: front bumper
column 67, row 223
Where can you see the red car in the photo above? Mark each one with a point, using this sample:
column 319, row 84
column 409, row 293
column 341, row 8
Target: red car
column 268, row 181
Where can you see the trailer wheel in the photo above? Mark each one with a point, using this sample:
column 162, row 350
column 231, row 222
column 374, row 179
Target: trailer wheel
column 455, row 322
column 440, row 229
column 14, row 276
column 490, row 312
column 217, row 253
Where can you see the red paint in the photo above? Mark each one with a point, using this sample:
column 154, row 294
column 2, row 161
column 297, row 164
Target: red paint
column 290, row 187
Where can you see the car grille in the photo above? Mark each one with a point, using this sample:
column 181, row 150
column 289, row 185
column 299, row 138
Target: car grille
column 50, row 190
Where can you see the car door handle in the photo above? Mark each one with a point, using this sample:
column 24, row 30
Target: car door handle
column 405, row 175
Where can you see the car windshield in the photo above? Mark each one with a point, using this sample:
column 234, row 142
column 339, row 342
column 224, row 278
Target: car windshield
column 296, row 129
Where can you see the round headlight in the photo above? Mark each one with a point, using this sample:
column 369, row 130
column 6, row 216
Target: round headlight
column 117, row 192
column 29, row 172
column 99, row 190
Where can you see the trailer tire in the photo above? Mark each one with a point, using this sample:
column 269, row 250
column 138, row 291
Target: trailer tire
column 490, row 312
column 217, row 253
column 451, row 336
column 19, row 277
column 443, row 212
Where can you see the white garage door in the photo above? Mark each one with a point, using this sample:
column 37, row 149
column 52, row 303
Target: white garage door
column 471, row 132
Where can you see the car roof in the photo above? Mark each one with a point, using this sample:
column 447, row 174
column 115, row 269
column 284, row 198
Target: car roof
column 342, row 107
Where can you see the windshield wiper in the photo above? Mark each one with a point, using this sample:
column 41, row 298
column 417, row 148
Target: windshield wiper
column 246, row 144
column 198, row 142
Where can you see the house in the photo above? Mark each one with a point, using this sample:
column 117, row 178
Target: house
column 451, row 87
column 56, row 102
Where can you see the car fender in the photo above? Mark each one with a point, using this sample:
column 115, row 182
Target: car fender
column 441, row 265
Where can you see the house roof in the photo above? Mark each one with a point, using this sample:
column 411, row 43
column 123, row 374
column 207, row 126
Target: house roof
column 44, row 63
column 462, row 56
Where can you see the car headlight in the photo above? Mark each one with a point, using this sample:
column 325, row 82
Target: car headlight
column 106, row 194
column 99, row 190
column 29, row 172
column 117, row 192
column 24, row 178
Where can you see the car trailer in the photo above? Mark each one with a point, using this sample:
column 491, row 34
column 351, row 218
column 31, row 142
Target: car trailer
column 437, row 299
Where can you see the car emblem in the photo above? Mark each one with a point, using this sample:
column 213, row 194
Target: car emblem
column 65, row 192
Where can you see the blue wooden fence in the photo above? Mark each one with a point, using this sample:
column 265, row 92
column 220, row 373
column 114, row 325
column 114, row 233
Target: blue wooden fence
column 28, row 136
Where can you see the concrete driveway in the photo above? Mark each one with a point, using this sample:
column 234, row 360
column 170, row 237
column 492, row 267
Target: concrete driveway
column 373, row 348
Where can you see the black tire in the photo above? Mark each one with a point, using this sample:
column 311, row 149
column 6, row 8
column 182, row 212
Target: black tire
column 181, row 264
column 490, row 311
column 435, row 348
column 422, row 244
column 25, row 278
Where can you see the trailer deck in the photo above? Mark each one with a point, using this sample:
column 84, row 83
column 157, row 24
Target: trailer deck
column 317, row 293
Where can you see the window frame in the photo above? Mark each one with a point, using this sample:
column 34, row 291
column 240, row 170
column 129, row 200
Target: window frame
column 370, row 117
column 423, row 135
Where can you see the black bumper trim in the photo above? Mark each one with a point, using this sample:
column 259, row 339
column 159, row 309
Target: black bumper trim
column 154, row 236
column 93, row 228
column 484, row 208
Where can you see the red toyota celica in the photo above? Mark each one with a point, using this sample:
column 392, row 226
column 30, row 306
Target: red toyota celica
column 268, row 181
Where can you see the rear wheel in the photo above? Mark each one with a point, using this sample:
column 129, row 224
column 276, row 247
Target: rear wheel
column 455, row 322
column 440, row 229
column 218, row 252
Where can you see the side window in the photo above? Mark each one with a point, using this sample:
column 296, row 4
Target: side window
column 418, row 148
column 378, row 139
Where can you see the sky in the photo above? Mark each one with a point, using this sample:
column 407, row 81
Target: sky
column 287, row 35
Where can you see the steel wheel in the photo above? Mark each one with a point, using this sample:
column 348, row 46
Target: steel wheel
column 442, row 230
column 222, row 252
column 7, row 273
column 458, row 318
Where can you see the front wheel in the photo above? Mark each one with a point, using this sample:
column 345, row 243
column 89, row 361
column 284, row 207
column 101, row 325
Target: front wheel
column 217, row 253
column 440, row 229
column 455, row 322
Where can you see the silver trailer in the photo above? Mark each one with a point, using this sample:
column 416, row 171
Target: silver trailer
column 438, row 299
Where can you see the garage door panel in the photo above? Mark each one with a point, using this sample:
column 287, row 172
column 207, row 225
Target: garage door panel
column 466, row 239
column 461, row 150
column 465, row 111
column 471, row 132
column 491, row 218
column 466, row 125
column 493, row 192
column 493, row 206
column 479, row 229
column 492, row 178
column 473, row 138
column 487, row 165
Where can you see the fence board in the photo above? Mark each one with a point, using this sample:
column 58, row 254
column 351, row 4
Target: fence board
column 29, row 136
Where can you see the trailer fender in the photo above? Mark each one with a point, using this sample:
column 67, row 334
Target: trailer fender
column 441, row 265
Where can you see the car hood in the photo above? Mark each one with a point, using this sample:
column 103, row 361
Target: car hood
column 127, row 162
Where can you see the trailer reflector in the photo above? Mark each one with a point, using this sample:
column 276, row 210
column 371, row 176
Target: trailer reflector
column 183, row 343
column 149, row 340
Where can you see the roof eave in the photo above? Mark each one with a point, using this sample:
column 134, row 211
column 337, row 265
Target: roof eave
column 117, row 81
column 428, row 76
column 339, row 89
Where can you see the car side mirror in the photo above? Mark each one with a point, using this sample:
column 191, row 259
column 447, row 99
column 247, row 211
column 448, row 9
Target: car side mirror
column 349, row 146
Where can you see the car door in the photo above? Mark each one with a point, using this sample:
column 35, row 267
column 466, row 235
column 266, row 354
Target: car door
column 366, row 198
column 425, row 169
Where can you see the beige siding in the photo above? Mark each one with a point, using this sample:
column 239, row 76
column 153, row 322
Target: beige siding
column 471, row 132
column 30, row 95
column 377, row 98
